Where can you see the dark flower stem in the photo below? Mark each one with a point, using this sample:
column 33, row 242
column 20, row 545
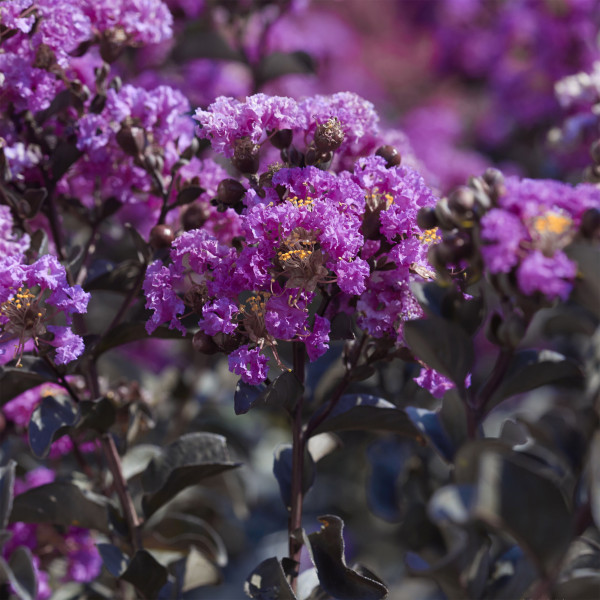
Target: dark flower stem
column 298, row 448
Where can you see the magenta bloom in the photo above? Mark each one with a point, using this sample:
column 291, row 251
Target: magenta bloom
column 250, row 365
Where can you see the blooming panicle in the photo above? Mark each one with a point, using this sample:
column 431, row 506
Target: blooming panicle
column 528, row 230
column 30, row 297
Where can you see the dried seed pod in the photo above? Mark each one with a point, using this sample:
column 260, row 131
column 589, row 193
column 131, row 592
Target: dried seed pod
column 329, row 135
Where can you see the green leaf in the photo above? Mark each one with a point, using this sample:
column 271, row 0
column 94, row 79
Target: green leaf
column 326, row 548
column 443, row 345
column 189, row 460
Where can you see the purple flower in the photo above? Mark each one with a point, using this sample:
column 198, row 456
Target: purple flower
column 218, row 317
column 317, row 342
column 286, row 314
column 251, row 365
column 553, row 276
column 10, row 243
column 161, row 298
column 437, row 385
column 502, row 234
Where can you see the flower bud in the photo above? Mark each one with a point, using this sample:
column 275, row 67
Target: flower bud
column 329, row 135
column 426, row 218
column 461, row 204
column 390, row 154
column 195, row 216
column 245, row 156
column 230, row 192
column 590, row 223
column 203, row 343
column 132, row 140
column 161, row 236
column 282, row 138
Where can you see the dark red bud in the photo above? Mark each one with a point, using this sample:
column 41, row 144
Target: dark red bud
column 246, row 156
column 230, row 192
column 390, row 154
column 204, row 343
column 282, row 139
column 590, row 223
column 195, row 216
column 161, row 236
column 329, row 135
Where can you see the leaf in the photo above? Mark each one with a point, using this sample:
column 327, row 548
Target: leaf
column 20, row 573
column 146, row 574
column 51, row 419
column 7, row 483
column 283, row 392
column 341, row 327
column 531, row 369
column 268, row 581
column 16, row 380
column 62, row 503
column 35, row 198
column 137, row 459
column 64, row 155
column 200, row 42
column 282, row 469
column 443, row 345
column 132, row 331
column 326, row 548
column 188, row 195
column 180, row 532
column 99, row 415
column 195, row 571
column 364, row 412
column 189, row 460
column 509, row 497
column 114, row 560
column 587, row 285
column 594, row 477
column 105, row 275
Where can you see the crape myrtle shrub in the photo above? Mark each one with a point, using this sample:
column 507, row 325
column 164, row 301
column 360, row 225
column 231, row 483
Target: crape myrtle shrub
column 259, row 337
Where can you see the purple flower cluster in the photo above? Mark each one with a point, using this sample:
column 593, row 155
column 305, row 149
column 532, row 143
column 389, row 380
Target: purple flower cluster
column 527, row 231
column 307, row 233
column 37, row 57
column 77, row 547
column 31, row 296
column 227, row 120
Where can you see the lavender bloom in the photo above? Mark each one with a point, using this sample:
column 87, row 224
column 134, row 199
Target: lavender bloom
column 251, row 365
column 534, row 221
column 10, row 244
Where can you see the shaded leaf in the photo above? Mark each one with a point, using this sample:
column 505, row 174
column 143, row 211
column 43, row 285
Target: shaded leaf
column 195, row 571
column 137, row 459
column 341, row 327
column 63, row 156
column 132, row 331
column 51, row 419
column 326, row 549
column 114, row 560
column 594, row 478
column 283, row 392
column 21, row 573
column 531, row 369
column 189, row 194
column 587, row 285
column 16, row 380
column 509, row 496
column 62, row 503
column 141, row 245
column 364, row 412
column 186, row 462
column 146, row 574
column 105, row 275
column 268, row 581
column 179, row 531
column 35, row 198
column 282, row 469
column 98, row 415
column 198, row 42
column 7, row 483
column 443, row 345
